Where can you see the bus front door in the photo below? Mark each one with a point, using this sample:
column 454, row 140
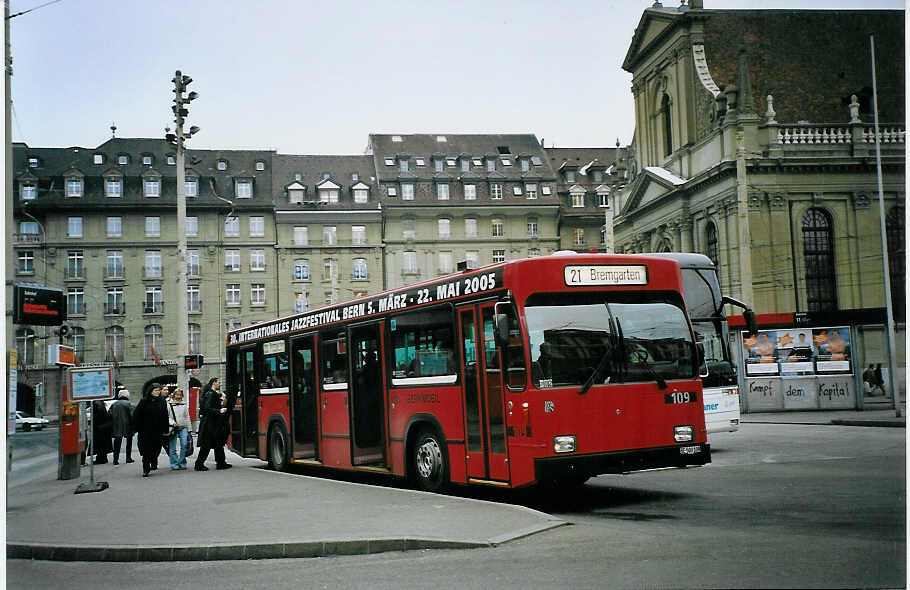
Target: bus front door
column 249, row 393
column 483, row 398
column 304, row 401
column 367, row 396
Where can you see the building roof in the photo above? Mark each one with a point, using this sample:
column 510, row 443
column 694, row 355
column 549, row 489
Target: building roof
column 312, row 169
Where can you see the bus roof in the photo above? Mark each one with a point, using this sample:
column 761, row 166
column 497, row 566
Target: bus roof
column 685, row 259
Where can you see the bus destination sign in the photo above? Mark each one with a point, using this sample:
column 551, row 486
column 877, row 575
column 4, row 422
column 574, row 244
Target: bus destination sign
column 606, row 274
column 399, row 300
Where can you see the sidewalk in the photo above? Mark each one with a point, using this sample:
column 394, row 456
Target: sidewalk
column 244, row 513
column 869, row 417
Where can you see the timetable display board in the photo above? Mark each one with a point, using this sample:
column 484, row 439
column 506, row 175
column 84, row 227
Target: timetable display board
column 87, row 384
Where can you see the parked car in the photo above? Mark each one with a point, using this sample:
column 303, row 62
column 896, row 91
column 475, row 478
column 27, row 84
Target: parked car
column 28, row 423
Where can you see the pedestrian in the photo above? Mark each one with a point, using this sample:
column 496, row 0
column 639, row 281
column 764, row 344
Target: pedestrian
column 102, row 426
column 879, row 378
column 213, row 426
column 151, row 423
column 179, row 421
column 165, row 442
column 122, row 415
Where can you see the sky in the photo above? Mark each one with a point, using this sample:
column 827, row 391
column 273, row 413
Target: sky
column 317, row 77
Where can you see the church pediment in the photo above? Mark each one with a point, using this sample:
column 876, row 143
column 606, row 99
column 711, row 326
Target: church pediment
column 655, row 23
column 652, row 185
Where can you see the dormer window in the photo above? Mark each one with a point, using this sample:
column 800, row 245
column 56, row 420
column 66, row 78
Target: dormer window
column 355, row 177
column 361, row 193
column 146, row 160
column 450, row 162
column 243, row 188
column 191, row 187
column 32, row 162
column 403, row 165
column 535, row 160
column 171, row 160
column 440, row 138
column 420, row 161
column 598, row 176
column 503, row 149
column 525, row 166
column 478, row 162
column 298, row 176
column 295, row 195
column 221, row 165
column 28, row 191
column 465, row 164
column 113, row 187
column 392, row 191
column 545, row 190
column 123, row 159
column 396, row 139
column 74, row 186
column 437, row 164
column 98, row 159
column 151, row 187
column 506, row 161
column 260, row 165
column 570, row 176
column 328, row 192
column 389, row 161
column 491, row 164
column 516, row 190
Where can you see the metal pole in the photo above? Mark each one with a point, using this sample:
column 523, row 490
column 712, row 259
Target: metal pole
column 182, row 325
column 889, row 314
column 91, row 445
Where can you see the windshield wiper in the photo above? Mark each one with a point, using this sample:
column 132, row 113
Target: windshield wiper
column 609, row 353
column 642, row 358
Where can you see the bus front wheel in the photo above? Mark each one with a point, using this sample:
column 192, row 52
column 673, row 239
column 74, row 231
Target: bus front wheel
column 278, row 448
column 429, row 463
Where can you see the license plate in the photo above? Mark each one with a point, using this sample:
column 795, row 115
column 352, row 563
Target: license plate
column 693, row 450
column 681, row 397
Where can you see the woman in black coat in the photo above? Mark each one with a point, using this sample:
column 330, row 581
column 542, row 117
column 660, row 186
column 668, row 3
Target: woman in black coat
column 102, row 426
column 213, row 425
column 151, row 423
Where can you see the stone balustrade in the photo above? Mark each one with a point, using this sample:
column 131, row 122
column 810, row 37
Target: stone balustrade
column 813, row 134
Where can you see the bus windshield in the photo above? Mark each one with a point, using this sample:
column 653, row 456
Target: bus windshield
column 646, row 336
column 720, row 370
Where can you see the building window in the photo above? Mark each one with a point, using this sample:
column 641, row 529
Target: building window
column 355, row 176
column 98, row 158
column 437, row 165
column 361, row 195
column 450, row 162
column 222, row 165
column 260, row 165
column 496, row 191
column 28, row 191
column 257, row 294
column 477, row 162
column 524, row 165
column 232, row 294
column 472, row 257
column 598, row 176
column 114, row 227
column 470, row 227
column 470, row 192
column 193, row 299
column 407, row 192
column 191, row 188
column 409, row 230
column 409, row 262
column 329, row 270
column 533, row 252
column 151, row 187
column 531, row 191
column 358, row 235
column 257, row 226
column 153, row 264
column 894, row 230
column 194, row 339
column 818, row 255
column 171, row 160
column 420, row 161
column 113, row 187
column 74, row 227
column 152, row 349
column 389, row 161
column 578, row 199
column 113, row 340
column 403, row 165
column 444, row 228
column 32, row 162
column 545, row 190
column 75, row 301
column 498, row 230
column 391, row 191
column 328, row 195
column 76, row 339
column 113, row 304
column 28, row 231
column 123, row 159
column 499, row 256
column 570, row 176
column 505, row 161
column 26, row 262
column 301, row 269
column 73, row 187
column 301, row 235
column 26, row 343
column 231, row 227
column 603, row 200
column 232, row 261
column 329, row 235
column 152, row 227
column 442, row 192
column 192, row 227
column 300, row 301
column 359, row 269
column 445, row 262
column 146, row 160
column 711, row 242
column 113, row 266
column 257, row 260
column 532, row 228
column 153, row 300
column 465, row 164
column 295, row 195
column 668, row 127
column 516, row 190
column 192, row 263
column 75, row 264
column 491, row 164
column 578, row 237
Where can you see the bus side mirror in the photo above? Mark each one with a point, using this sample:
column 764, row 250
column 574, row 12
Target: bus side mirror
column 501, row 329
column 751, row 325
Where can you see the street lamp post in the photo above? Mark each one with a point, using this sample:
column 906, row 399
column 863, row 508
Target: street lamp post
column 178, row 139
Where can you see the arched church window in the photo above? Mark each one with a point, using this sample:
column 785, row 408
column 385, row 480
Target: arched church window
column 668, row 125
column 818, row 255
column 711, row 242
column 894, row 231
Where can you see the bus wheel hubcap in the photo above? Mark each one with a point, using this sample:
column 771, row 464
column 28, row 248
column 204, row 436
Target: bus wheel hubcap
column 429, row 459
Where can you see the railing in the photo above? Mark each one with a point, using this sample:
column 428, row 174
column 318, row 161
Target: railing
column 113, row 272
column 152, row 272
column 77, row 272
column 889, row 134
column 114, row 309
column 153, row 307
column 838, row 134
column 27, row 238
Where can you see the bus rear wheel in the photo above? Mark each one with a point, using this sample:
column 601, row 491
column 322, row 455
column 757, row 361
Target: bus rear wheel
column 278, row 448
column 429, row 462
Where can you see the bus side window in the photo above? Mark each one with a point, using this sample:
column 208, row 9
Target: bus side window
column 423, row 344
column 514, row 353
column 334, row 358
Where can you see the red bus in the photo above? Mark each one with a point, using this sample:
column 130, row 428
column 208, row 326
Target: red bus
column 543, row 370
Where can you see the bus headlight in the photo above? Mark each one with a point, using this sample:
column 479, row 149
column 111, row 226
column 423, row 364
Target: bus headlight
column 564, row 444
column 683, row 433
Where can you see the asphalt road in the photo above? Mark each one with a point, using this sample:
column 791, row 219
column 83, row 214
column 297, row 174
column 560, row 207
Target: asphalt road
column 781, row 506
column 34, row 454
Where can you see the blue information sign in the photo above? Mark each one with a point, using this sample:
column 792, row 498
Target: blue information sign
column 87, row 384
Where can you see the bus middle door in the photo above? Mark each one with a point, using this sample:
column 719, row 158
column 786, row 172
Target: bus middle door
column 367, row 399
column 483, row 395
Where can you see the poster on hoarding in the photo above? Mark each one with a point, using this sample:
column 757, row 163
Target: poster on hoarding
column 834, row 353
column 761, row 353
column 796, row 352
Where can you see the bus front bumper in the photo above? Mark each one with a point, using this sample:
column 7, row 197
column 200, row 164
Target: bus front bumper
column 578, row 466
